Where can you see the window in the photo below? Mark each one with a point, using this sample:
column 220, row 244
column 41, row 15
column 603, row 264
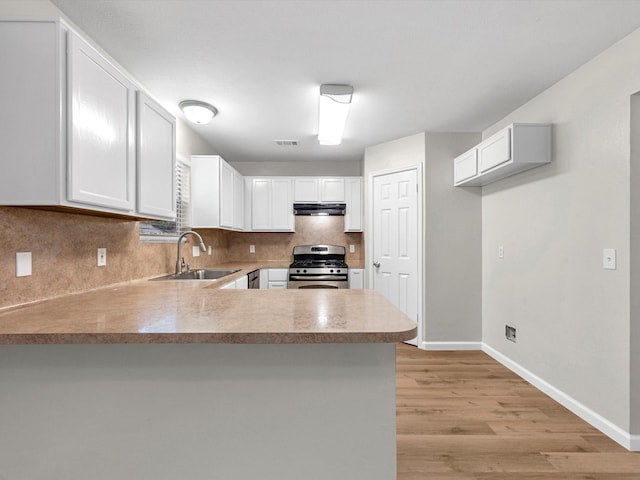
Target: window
column 163, row 231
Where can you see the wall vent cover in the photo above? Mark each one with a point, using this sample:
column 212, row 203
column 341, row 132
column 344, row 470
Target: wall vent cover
column 287, row 143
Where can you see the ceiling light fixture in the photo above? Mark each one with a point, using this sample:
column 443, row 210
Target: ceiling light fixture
column 334, row 108
column 198, row 112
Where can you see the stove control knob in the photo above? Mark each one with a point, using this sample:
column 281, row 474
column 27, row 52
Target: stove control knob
column 338, row 271
column 298, row 271
column 305, row 270
column 331, row 271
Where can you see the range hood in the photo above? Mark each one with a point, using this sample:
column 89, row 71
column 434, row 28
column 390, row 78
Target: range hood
column 319, row 208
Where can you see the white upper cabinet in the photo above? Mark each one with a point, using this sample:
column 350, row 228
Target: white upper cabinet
column 318, row 190
column 156, row 160
column 217, row 197
column 271, row 204
column 332, row 190
column 101, row 142
column 516, row 148
column 306, row 190
column 71, row 136
column 353, row 197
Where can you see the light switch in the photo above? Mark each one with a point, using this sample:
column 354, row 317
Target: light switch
column 195, row 251
column 23, row 264
column 609, row 258
column 500, row 251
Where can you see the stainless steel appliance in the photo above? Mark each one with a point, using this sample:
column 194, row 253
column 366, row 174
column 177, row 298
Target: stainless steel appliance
column 319, row 266
column 253, row 279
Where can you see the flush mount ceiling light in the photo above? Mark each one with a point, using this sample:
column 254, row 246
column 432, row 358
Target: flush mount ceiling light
column 334, row 108
column 198, row 112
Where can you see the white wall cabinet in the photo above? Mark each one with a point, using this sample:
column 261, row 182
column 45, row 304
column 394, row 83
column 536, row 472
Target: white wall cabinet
column 217, row 195
column 156, row 174
column 318, row 190
column 356, row 278
column 271, row 204
column 354, row 211
column 79, row 148
column 101, row 156
column 516, row 148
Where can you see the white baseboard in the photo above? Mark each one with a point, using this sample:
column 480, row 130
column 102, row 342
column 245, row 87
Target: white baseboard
column 628, row 441
column 451, row 345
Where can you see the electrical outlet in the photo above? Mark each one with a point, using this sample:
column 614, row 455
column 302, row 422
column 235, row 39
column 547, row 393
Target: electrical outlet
column 510, row 333
column 102, row 257
column 195, row 251
column 209, row 250
column 352, row 249
column 252, row 249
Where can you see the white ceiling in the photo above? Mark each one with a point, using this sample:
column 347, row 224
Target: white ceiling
column 421, row 65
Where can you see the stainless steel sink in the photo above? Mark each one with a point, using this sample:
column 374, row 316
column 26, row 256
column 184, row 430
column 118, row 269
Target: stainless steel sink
column 202, row 274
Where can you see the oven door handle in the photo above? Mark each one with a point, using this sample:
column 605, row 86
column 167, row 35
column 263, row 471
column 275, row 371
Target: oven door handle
column 318, row 278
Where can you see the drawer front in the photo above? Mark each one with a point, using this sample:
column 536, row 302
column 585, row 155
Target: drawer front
column 465, row 166
column 495, row 151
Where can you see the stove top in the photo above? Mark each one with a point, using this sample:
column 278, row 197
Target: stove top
column 317, row 257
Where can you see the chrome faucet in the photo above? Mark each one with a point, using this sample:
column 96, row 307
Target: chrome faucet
column 180, row 262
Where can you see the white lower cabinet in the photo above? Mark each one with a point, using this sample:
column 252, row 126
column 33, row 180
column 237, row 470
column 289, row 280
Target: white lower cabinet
column 356, row 278
column 229, row 286
column 277, row 278
column 242, row 283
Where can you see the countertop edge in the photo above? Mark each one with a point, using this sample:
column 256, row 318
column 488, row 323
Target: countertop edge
column 210, row 338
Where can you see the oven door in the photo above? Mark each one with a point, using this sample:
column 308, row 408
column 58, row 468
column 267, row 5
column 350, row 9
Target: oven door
column 321, row 281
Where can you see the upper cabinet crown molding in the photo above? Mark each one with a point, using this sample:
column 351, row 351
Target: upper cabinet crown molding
column 72, row 132
column 514, row 149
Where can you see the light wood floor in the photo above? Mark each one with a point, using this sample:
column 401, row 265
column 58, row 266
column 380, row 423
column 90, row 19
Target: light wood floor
column 461, row 415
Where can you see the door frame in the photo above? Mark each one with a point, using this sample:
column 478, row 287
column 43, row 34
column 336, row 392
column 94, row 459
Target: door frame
column 420, row 232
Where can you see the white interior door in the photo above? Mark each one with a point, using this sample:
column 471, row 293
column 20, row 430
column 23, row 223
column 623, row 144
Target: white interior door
column 395, row 240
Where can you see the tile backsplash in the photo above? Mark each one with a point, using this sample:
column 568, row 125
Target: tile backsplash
column 64, row 248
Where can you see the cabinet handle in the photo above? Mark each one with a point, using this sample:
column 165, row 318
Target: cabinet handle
column 376, row 264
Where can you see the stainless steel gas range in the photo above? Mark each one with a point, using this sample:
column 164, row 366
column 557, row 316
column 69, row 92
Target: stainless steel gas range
column 319, row 266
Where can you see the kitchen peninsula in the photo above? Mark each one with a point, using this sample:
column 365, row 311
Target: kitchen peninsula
column 170, row 380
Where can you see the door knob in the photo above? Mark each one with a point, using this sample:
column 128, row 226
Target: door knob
column 376, row 264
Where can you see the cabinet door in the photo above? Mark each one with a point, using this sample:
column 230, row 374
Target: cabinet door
column 281, row 205
column 242, row 283
column 465, row 166
column 229, row 286
column 353, row 215
column 332, row 190
column 227, row 197
column 495, row 150
column 306, row 190
column 356, row 278
column 238, row 208
column 156, row 160
column 260, row 203
column 101, row 149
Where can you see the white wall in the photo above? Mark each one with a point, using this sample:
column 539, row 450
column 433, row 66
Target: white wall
column 451, row 237
column 302, row 168
column 453, row 245
column 572, row 317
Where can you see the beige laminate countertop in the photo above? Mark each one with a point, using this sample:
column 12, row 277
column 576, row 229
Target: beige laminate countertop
column 146, row 311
